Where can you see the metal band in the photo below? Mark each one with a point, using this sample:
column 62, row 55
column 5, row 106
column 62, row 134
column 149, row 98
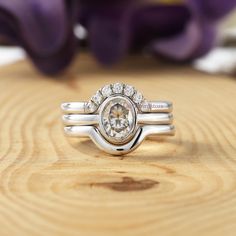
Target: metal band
column 80, row 119
column 148, row 107
column 155, row 118
column 160, row 106
column 93, row 119
column 83, row 131
column 73, row 107
column 140, row 135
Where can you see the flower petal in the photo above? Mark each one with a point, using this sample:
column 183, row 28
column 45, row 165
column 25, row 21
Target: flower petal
column 158, row 21
column 8, row 27
column 55, row 63
column 108, row 31
column 43, row 23
column 212, row 9
column 44, row 28
column 193, row 42
column 208, row 40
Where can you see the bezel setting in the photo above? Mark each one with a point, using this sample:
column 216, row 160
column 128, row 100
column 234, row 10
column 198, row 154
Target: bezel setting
column 117, row 119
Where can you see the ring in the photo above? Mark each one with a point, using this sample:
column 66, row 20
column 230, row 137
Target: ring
column 117, row 118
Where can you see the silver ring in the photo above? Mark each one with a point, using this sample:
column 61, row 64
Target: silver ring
column 117, row 118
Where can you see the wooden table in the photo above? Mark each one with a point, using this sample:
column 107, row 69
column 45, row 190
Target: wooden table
column 53, row 185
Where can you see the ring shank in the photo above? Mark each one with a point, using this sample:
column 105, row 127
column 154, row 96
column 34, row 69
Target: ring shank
column 82, row 131
column 149, row 107
column 73, row 107
column 93, row 119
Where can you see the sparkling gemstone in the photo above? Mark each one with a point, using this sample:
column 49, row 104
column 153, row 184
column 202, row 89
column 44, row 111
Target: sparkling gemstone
column 106, row 91
column 117, row 88
column 129, row 90
column 145, row 106
column 90, row 107
column 118, row 119
column 138, row 97
column 97, row 98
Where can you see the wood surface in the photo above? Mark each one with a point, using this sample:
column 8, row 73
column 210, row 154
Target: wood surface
column 54, row 185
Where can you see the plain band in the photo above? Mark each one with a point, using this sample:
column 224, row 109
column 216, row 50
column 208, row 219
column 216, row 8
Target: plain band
column 93, row 119
column 140, row 135
column 83, row 131
column 152, row 106
column 155, row 118
column 73, row 107
column 80, row 119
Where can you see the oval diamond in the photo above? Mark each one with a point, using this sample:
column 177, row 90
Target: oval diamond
column 117, row 119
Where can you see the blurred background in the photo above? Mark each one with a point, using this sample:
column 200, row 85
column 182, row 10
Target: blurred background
column 201, row 33
column 65, row 50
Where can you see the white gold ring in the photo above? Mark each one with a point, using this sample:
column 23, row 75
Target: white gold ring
column 117, row 118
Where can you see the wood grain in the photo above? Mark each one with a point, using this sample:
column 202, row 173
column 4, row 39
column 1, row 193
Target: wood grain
column 53, row 185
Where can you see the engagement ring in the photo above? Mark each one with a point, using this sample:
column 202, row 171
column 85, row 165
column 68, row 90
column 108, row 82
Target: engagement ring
column 117, row 118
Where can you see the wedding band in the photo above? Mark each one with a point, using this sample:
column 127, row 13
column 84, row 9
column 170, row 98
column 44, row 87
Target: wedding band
column 117, row 118
column 82, row 107
column 93, row 119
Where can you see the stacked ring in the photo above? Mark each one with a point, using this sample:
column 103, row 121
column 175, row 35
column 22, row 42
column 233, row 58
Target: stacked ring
column 117, row 118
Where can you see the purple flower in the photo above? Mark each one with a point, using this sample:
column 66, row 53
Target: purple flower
column 179, row 31
column 176, row 31
column 43, row 28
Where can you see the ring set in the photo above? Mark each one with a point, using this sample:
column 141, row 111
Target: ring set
column 117, row 118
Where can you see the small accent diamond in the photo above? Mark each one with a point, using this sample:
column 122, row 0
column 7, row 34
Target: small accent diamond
column 117, row 88
column 106, row 91
column 97, row 98
column 129, row 90
column 137, row 98
column 145, row 106
column 90, row 107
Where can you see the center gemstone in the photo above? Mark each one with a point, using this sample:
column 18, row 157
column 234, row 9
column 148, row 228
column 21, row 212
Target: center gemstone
column 118, row 119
